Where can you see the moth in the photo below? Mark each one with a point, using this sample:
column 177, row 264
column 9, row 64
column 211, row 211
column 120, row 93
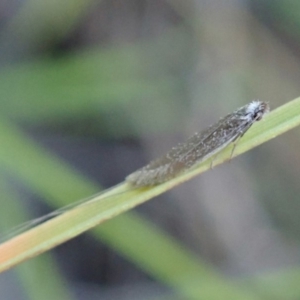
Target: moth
column 200, row 146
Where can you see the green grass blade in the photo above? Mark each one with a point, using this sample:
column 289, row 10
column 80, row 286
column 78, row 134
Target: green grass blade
column 122, row 198
column 31, row 274
column 80, row 219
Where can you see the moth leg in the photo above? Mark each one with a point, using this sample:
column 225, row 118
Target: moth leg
column 232, row 151
column 236, row 140
column 212, row 161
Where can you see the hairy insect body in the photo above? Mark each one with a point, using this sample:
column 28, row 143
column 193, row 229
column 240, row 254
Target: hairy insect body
column 200, row 146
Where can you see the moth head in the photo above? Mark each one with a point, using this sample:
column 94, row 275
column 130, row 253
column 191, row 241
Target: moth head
column 257, row 109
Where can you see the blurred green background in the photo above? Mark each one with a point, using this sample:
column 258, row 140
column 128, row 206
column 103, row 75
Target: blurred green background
column 92, row 90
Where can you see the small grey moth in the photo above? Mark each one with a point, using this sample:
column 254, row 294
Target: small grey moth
column 200, row 146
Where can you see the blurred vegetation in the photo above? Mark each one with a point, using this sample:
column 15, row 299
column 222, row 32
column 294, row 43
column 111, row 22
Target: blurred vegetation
column 91, row 90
